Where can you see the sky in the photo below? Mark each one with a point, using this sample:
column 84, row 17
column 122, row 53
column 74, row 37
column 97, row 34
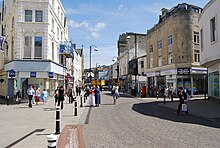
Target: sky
column 100, row 22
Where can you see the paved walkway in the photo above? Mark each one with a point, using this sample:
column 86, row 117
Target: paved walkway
column 28, row 127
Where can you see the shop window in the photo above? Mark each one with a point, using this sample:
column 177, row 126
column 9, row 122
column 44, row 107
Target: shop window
column 214, row 84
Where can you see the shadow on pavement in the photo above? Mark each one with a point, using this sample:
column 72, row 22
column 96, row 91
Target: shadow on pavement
column 155, row 110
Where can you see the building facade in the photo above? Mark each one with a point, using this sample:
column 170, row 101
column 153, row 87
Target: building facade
column 173, row 52
column 132, row 50
column 209, row 24
column 34, row 31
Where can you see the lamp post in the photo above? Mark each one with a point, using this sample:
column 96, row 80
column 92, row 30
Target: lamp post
column 90, row 57
column 135, row 57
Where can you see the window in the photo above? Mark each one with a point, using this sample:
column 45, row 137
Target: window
column 38, row 47
column 27, row 46
column 58, row 12
column 53, row 3
column 160, row 61
column 170, row 58
column 28, row 15
column 142, row 64
column 170, row 40
column 12, row 22
column 52, row 25
column 214, row 84
column 151, row 62
column 196, row 56
column 39, row 16
column 213, row 29
column 201, row 38
column 53, row 51
column 61, row 18
column 196, row 37
column 151, row 48
column 58, row 33
column 160, row 44
column 61, row 36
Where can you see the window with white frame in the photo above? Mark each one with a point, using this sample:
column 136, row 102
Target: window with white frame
column 170, row 40
column 38, row 47
column 196, row 37
column 160, row 61
column 213, row 29
column 38, row 16
column 28, row 15
column 170, row 58
column 27, row 47
column 196, row 55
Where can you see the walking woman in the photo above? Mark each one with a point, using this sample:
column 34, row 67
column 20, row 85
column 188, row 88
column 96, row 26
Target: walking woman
column 182, row 96
column 61, row 96
column 97, row 96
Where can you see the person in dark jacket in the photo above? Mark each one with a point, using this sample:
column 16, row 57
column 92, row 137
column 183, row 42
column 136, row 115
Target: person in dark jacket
column 97, row 96
column 61, row 96
column 18, row 97
column 182, row 97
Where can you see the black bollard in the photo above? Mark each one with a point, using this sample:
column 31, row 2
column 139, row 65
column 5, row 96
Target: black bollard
column 84, row 99
column 81, row 102
column 75, row 113
column 57, row 120
column 164, row 101
column 172, row 98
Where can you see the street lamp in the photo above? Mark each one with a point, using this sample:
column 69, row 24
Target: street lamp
column 135, row 57
column 90, row 56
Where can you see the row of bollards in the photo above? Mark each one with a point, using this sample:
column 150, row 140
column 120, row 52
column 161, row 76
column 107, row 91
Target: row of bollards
column 52, row 139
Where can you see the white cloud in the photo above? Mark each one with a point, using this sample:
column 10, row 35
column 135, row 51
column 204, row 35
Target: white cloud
column 85, row 24
column 72, row 11
column 98, row 27
column 95, row 34
column 120, row 6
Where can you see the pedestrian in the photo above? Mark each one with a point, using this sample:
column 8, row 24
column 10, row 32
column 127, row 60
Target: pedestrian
column 87, row 91
column 77, row 90
column 70, row 95
column 61, row 96
column 115, row 91
column 30, row 93
column 92, row 97
column 97, row 96
column 100, row 87
column 37, row 96
column 56, row 97
column 18, row 97
column 33, row 98
column 45, row 96
column 182, row 97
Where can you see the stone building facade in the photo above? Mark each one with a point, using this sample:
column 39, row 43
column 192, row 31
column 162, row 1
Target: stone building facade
column 173, row 52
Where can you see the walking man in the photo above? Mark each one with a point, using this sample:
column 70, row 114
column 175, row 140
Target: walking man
column 30, row 93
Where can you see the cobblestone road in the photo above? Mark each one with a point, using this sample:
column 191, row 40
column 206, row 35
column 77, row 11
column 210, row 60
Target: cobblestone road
column 134, row 123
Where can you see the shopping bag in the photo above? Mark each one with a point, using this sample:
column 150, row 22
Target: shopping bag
column 184, row 107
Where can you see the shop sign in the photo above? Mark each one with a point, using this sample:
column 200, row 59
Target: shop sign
column 151, row 74
column 51, row 74
column 183, row 71
column 33, row 74
column 11, row 73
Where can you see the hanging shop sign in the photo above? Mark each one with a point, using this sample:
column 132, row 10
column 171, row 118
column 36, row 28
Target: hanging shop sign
column 51, row 74
column 33, row 74
column 11, row 73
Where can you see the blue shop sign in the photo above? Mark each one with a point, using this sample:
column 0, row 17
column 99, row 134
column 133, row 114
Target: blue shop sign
column 33, row 74
column 11, row 73
column 51, row 74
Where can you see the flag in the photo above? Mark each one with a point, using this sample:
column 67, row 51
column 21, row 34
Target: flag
column 2, row 40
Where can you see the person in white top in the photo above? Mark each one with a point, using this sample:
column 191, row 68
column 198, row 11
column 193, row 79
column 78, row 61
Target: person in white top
column 30, row 93
column 115, row 91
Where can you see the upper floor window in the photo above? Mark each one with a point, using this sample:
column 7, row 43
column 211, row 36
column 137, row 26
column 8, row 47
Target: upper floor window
column 151, row 48
column 58, row 12
column 39, row 16
column 27, row 46
column 52, row 25
column 38, row 47
column 196, row 56
column 12, row 22
column 170, row 58
column 28, row 15
column 160, row 61
column 142, row 64
column 53, row 3
column 213, row 29
column 160, row 44
column 58, row 33
column 61, row 18
column 196, row 37
column 170, row 40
